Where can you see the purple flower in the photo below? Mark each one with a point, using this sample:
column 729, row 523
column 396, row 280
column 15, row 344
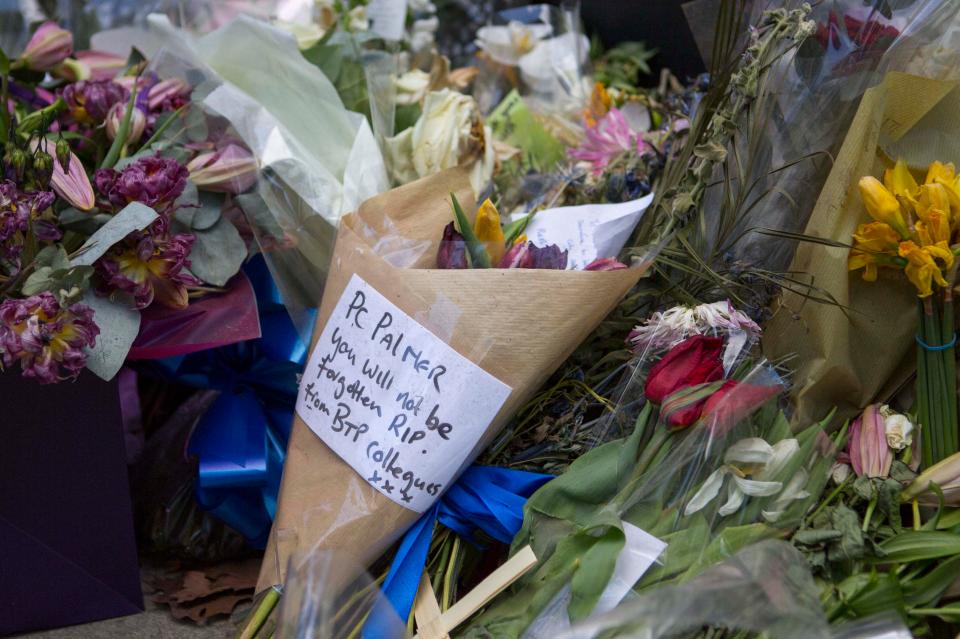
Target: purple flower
column 527, row 255
column 90, row 101
column 149, row 265
column 453, row 249
column 45, row 338
column 17, row 210
column 155, row 181
column 609, row 138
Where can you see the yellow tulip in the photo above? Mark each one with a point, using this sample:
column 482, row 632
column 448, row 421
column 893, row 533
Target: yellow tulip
column 882, row 205
column 900, row 182
column 871, row 241
column 921, row 268
column 488, row 230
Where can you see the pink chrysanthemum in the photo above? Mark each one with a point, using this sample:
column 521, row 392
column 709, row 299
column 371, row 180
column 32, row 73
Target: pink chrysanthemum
column 46, row 338
column 606, row 140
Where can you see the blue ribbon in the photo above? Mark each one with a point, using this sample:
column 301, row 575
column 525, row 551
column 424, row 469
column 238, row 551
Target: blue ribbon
column 484, row 498
column 241, row 441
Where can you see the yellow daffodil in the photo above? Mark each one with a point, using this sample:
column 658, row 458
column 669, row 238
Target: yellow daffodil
column 871, row 242
column 882, row 205
column 900, row 182
column 488, row 230
column 922, row 269
column 934, row 230
column 933, row 197
column 938, row 171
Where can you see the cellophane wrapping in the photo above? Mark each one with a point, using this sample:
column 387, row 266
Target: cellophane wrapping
column 707, row 489
column 773, row 176
column 317, row 159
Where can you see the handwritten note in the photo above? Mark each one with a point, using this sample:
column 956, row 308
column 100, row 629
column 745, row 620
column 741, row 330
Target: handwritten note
column 393, row 400
column 588, row 231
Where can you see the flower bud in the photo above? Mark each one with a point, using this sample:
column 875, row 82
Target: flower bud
column 17, row 160
column 63, row 154
column 138, row 122
column 232, row 169
column 72, row 185
column 867, row 446
column 453, row 249
column 945, row 474
column 43, row 167
column 897, row 428
column 49, row 46
column 91, row 65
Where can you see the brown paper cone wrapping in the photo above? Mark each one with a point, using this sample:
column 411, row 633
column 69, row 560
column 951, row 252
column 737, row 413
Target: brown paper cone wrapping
column 517, row 324
column 849, row 359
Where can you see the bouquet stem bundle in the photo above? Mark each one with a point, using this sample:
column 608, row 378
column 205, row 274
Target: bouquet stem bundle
column 936, row 378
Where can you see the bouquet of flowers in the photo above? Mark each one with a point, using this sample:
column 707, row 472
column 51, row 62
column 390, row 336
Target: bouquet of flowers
column 104, row 217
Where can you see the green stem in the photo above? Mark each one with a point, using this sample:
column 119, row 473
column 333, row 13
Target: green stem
column 123, row 132
column 949, row 357
column 261, row 614
column 826, row 502
column 870, row 508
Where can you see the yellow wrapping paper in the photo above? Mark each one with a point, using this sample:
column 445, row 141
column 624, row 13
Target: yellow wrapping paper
column 850, row 356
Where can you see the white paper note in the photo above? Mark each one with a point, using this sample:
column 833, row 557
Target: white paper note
column 640, row 551
column 387, row 18
column 393, row 400
column 589, row 231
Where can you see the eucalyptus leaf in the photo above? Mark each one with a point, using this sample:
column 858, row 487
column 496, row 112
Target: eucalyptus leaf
column 259, row 215
column 187, row 205
column 195, row 124
column 119, row 325
column 208, row 212
column 217, row 253
column 133, row 217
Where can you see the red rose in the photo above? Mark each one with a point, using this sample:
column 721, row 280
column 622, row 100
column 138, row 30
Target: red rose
column 734, row 401
column 695, row 360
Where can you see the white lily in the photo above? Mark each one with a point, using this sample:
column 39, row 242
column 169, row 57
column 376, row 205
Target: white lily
column 750, row 457
column 507, row 44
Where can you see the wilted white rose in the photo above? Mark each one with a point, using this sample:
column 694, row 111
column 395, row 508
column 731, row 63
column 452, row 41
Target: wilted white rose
column 412, row 86
column 897, row 428
column 450, row 132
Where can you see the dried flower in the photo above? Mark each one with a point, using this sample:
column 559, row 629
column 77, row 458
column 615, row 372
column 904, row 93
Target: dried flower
column 232, row 169
column 412, row 87
column 155, row 181
column 46, row 338
column 17, row 211
column 897, row 428
column 610, row 138
column 667, row 328
column 47, row 48
column 150, row 265
column 450, row 132
column 89, row 101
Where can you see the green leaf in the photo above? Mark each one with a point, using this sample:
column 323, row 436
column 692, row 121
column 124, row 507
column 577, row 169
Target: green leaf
column 949, row 519
column 927, row 590
column 515, row 229
column 594, row 572
column 850, row 545
column 217, row 253
column 119, row 326
column 479, row 258
column 866, row 594
column 916, row 545
column 815, row 537
column 133, row 217
column 122, row 133
column 949, row 613
column 4, row 63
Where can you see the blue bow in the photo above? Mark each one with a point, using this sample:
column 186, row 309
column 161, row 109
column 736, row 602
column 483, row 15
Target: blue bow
column 485, row 498
column 241, row 440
